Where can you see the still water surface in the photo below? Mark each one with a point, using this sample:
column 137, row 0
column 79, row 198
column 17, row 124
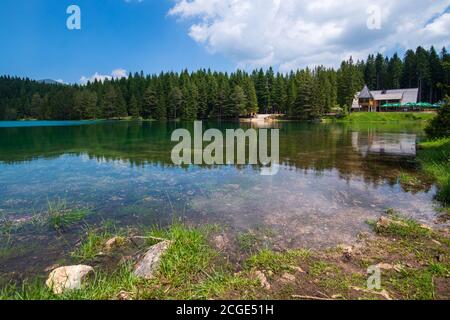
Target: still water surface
column 333, row 177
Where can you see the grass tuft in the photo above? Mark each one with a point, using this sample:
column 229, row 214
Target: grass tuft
column 401, row 227
column 435, row 159
column 91, row 245
column 60, row 217
column 276, row 261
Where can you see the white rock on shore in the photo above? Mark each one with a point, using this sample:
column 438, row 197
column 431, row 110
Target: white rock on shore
column 68, row 278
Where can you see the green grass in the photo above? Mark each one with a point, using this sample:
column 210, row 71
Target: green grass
column 434, row 157
column 188, row 270
column 192, row 269
column 103, row 286
column 59, row 216
column 402, row 227
column 91, row 245
column 418, row 284
column 253, row 241
column 386, row 117
column 408, row 180
column 276, row 261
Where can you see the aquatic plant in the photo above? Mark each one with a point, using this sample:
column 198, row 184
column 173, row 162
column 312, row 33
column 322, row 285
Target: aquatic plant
column 59, row 216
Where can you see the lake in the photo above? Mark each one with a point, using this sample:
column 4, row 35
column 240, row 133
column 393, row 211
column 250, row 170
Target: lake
column 332, row 179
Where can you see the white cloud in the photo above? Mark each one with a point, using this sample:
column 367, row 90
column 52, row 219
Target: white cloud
column 115, row 74
column 295, row 33
column 119, row 73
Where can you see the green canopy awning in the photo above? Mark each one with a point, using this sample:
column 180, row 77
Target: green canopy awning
column 424, row 104
column 411, row 105
column 391, row 105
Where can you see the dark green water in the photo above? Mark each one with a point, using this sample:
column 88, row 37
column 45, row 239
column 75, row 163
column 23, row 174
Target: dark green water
column 333, row 177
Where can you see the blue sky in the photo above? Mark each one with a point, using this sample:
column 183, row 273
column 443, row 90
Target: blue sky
column 114, row 35
column 118, row 36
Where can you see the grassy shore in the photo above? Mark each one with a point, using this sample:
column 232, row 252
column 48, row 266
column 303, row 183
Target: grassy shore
column 386, row 117
column 435, row 159
column 414, row 263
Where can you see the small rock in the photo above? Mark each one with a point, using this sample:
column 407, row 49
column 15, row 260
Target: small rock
column 298, row 269
column 287, row 278
column 440, row 257
column 387, row 266
column 220, row 242
column 123, row 295
column 346, row 249
column 114, row 243
column 68, row 278
column 262, row 279
column 347, row 252
column 385, row 222
column 147, row 266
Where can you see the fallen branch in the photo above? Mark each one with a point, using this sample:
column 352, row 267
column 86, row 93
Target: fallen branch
column 310, row 297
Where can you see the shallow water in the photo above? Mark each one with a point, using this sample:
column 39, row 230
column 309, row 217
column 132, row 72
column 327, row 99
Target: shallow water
column 332, row 179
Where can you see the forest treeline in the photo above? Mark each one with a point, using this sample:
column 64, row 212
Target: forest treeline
column 306, row 93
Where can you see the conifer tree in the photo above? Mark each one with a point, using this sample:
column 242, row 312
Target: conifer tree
column 150, row 103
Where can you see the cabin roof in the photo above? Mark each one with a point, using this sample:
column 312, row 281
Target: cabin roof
column 404, row 95
column 387, row 96
column 365, row 93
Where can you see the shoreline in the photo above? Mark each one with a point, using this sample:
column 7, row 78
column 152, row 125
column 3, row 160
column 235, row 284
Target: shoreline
column 201, row 263
column 353, row 117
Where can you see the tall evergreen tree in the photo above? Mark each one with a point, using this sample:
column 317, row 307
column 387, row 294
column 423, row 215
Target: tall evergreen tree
column 395, row 70
column 237, row 103
column 150, row 103
column 134, row 107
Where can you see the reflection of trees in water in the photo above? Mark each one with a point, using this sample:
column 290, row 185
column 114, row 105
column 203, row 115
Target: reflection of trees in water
column 319, row 148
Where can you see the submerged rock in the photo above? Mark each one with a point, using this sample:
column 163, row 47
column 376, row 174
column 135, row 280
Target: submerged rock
column 148, row 265
column 221, row 242
column 68, row 278
column 114, row 243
